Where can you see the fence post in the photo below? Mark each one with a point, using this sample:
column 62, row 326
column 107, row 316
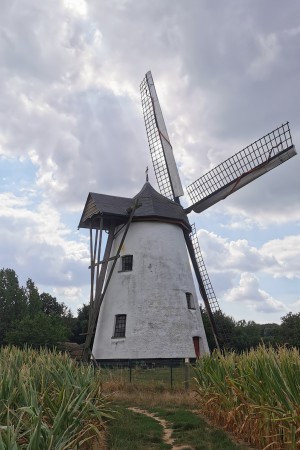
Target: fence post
column 130, row 375
column 186, row 373
column 171, row 373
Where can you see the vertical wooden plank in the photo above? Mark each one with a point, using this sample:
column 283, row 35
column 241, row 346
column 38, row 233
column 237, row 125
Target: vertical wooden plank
column 95, row 306
column 99, row 252
column 92, row 266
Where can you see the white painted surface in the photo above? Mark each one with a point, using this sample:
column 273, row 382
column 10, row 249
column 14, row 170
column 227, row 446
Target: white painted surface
column 152, row 295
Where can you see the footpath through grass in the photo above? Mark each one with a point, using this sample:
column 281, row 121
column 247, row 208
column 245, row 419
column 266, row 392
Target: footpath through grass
column 134, row 431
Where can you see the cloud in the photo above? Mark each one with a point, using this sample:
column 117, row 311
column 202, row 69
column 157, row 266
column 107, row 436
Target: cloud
column 37, row 244
column 286, row 253
column 268, row 56
column 249, row 293
column 277, row 257
column 235, row 255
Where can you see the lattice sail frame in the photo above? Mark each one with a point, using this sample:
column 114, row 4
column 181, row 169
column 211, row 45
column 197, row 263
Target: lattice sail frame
column 203, row 272
column 253, row 161
column 211, row 296
column 164, row 164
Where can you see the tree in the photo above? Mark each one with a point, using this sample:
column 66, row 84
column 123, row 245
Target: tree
column 38, row 330
column 289, row 332
column 50, row 306
column 247, row 335
column 81, row 324
column 225, row 327
column 27, row 317
column 13, row 301
column 33, row 298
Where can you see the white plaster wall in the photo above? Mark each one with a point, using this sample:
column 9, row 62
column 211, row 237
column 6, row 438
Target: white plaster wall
column 152, row 295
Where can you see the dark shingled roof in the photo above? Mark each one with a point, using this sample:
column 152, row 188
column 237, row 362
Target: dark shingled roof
column 154, row 206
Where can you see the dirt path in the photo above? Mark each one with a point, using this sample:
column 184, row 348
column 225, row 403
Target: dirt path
column 167, row 430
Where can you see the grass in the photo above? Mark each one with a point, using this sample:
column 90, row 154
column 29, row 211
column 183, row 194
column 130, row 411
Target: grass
column 190, row 428
column 134, row 431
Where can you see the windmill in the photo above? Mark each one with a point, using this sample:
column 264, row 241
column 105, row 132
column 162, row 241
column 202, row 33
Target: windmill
column 143, row 299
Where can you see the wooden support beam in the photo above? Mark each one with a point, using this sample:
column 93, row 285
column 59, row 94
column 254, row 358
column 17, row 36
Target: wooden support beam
column 99, row 250
column 105, row 260
column 136, row 205
column 92, row 271
column 94, row 310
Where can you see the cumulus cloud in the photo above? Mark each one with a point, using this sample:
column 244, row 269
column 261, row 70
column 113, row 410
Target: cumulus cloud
column 286, row 253
column 235, row 255
column 238, row 271
column 35, row 242
column 249, row 293
column 277, row 257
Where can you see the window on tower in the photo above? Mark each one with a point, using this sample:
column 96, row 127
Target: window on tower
column 126, row 263
column 190, row 300
column 120, row 326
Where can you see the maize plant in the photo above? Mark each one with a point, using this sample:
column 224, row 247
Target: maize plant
column 47, row 401
column 255, row 395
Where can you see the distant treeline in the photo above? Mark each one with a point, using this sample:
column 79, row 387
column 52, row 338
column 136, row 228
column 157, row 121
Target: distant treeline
column 27, row 317
column 241, row 335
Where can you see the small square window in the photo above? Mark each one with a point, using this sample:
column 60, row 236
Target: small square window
column 127, row 262
column 120, row 326
column 190, row 300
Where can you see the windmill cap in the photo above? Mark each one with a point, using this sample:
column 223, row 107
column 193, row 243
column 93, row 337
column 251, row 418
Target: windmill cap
column 152, row 206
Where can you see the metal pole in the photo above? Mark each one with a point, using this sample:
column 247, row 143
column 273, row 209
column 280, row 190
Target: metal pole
column 186, row 374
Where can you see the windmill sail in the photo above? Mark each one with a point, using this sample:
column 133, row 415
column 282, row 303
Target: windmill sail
column 213, row 305
column 160, row 148
column 242, row 168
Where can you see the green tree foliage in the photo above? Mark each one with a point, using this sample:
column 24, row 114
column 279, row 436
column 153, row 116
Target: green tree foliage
column 50, row 306
column 81, row 324
column 13, row 301
column 33, row 298
column 27, row 317
column 290, row 330
column 38, row 330
column 242, row 335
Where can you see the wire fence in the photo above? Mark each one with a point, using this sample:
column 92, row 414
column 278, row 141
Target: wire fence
column 167, row 375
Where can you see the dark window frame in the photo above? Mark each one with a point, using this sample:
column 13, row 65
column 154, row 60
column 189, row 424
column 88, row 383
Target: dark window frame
column 120, row 326
column 190, row 300
column 126, row 263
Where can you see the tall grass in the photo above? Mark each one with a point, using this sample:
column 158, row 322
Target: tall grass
column 47, row 401
column 255, row 395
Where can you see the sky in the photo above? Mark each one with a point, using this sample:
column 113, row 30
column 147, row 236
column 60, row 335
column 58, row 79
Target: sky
column 71, row 122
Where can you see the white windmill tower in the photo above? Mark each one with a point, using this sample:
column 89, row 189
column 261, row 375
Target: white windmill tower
column 143, row 303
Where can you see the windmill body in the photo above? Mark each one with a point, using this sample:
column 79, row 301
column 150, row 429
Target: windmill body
column 150, row 310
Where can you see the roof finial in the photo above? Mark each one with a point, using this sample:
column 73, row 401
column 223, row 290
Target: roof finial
column 147, row 178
